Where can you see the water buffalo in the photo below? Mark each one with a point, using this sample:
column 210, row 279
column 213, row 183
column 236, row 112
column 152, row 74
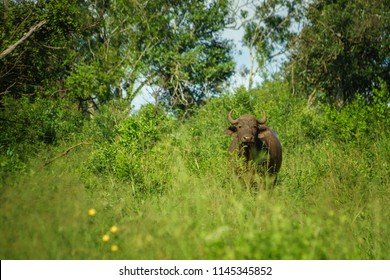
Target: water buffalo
column 255, row 142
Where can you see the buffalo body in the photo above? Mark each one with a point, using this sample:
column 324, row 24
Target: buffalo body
column 256, row 142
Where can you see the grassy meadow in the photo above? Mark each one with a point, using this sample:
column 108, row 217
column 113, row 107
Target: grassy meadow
column 169, row 188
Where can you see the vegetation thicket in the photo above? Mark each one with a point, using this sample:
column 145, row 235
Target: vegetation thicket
column 84, row 177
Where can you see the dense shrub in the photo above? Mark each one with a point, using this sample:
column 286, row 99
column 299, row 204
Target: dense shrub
column 131, row 152
column 358, row 121
column 28, row 125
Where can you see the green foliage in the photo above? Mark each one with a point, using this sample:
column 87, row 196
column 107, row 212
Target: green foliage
column 267, row 32
column 88, row 50
column 129, row 154
column 191, row 61
column 355, row 121
column 343, row 51
column 87, row 81
column 143, row 129
column 26, row 126
column 39, row 63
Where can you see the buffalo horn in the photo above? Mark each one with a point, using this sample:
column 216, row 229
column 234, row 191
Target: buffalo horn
column 230, row 119
column 264, row 119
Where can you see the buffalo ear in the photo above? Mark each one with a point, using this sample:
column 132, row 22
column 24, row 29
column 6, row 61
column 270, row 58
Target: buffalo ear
column 262, row 131
column 231, row 130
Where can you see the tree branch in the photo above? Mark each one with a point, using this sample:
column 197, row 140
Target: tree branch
column 25, row 36
column 64, row 153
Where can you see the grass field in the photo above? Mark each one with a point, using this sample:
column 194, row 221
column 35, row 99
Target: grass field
column 183, row 200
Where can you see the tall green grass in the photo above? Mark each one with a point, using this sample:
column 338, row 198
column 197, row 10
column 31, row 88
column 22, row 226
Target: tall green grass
column 180, row 199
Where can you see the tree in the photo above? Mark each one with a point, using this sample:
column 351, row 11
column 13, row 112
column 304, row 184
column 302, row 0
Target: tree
column 111, row 52
column 343, row 50
column 99, row 50
column 174, row 48
column 268, row 25
column 35, row 44
column 190, row 60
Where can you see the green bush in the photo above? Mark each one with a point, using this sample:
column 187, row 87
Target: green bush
column 135, row 148
column 28, row 125
column 357, row 121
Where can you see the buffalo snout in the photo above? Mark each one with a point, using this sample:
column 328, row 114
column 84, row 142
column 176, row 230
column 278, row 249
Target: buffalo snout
column 248, row 139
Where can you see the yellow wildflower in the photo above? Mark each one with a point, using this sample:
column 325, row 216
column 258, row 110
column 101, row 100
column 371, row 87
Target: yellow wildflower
column 92, row 212
column 114, row 229
column 106, row 238
column 114, row 248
